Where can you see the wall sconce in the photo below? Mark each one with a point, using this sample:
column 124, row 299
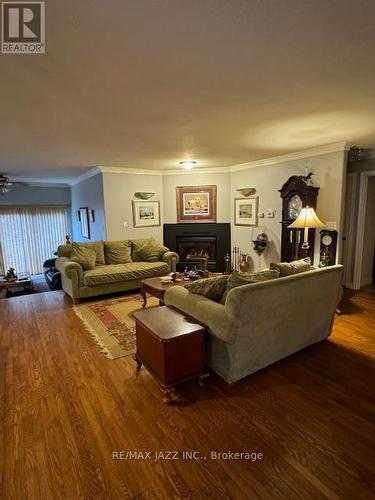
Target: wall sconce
column 247, row 191
column 141, row 195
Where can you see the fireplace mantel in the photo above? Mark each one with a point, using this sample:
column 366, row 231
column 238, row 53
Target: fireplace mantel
column 219, row 233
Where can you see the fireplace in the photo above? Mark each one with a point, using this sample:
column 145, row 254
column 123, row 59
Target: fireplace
column 194, row 242
column 193, row 249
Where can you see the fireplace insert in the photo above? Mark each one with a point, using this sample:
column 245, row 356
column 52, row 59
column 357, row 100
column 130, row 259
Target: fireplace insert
column 193, row 249
column 196, row 242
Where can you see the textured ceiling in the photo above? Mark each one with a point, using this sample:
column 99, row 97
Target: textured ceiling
column 145, row 84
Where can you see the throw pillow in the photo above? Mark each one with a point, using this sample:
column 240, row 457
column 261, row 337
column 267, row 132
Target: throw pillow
column 97, row 246
column 84, row 256
column 212, row 288
column 151, row 251
column 294, row 267
column 117, row 252
column 136, row 245
column 238, row 279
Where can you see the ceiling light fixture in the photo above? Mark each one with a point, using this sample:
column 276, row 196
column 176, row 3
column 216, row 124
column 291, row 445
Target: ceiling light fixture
column 188, row 164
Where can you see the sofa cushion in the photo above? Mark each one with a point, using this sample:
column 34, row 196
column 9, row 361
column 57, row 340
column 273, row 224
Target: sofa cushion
column 98, row 246
column 239, row 279
column 212, row 288
column 294, row 267
column 114, row 273
column 83, row 256
column 117, row 252
column 151, row 250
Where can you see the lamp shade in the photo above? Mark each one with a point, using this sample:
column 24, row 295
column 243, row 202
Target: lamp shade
column 307, row 218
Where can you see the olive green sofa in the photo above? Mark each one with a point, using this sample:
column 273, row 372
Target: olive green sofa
column 263, row 322
column 108, row 278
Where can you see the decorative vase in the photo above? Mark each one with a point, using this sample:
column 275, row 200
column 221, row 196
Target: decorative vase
column 244, row 263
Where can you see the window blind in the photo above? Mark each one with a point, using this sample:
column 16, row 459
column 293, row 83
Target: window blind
column 30, row 235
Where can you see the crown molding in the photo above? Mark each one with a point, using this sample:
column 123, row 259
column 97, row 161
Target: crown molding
column 90, row 173
column 299, row 155
column 128, row 170
column 306, row 153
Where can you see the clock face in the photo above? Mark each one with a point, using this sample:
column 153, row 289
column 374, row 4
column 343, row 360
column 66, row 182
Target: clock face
column 327, row 240
column 294, row 206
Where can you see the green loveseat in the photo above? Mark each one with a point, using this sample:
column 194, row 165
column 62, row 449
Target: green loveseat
column 108, row 278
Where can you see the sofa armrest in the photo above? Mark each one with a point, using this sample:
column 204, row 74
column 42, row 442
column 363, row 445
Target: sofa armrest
column 71, row 276
column 171, row 258
column 69, row 268
column 206, row 311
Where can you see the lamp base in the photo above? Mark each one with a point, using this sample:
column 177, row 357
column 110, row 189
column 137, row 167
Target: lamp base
column 305, row 250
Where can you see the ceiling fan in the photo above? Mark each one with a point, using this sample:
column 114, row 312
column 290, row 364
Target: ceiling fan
column 6, row 185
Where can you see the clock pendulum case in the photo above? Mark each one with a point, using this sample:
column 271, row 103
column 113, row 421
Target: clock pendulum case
column 328, row 247
column 296, row 193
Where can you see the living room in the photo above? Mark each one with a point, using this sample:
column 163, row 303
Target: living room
column 187, row 249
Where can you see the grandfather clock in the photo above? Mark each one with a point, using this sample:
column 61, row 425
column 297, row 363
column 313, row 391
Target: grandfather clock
column 296, row 193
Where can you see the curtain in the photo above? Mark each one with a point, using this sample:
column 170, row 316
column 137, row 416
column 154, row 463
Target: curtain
column 30, row 235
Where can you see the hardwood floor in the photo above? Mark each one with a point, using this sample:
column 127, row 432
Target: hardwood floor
column 65, row 409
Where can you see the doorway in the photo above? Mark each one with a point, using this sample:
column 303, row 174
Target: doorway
column 365, row 242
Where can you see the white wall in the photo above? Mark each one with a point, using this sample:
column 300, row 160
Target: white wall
column 89, row 193
column 369, row 239
column 221, row 180
column 119, row 189
column 267, row 180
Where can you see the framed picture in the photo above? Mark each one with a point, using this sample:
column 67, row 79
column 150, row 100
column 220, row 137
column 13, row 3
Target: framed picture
column 146, row 213
column 196, row 203
column 84, row 218
column 91, row 216
column 246, row 211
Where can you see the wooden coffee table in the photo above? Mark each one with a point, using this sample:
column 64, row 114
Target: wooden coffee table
column 23, row 281
column 154, row 287
column 171, row 347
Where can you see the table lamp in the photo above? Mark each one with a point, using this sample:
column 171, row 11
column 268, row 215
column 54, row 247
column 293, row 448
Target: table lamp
column 306, row 219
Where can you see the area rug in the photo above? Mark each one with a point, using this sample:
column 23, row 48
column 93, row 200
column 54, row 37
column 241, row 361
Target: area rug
column 110, row 323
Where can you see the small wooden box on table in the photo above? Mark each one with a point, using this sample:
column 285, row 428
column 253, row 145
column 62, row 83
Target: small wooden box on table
column 170, row 346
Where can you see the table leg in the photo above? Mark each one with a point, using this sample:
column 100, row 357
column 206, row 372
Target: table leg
column 138, row 362
column 202, row 379
column 144, row 296
column 167, row 395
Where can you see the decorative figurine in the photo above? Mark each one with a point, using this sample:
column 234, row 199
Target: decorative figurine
column 11, row 275
column 67, row 240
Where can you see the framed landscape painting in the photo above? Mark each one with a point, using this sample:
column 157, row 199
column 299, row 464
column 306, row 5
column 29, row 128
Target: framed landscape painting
column 146, row 213
column 196, row 203
column 246, row 211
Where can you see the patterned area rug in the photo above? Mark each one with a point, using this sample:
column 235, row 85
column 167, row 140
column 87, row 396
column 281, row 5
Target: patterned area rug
column 110, row 322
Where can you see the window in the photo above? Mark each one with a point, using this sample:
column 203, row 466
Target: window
column 30, row 235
